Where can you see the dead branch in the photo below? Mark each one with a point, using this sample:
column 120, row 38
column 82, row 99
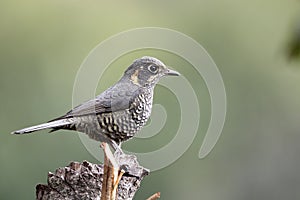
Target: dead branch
column 154, row 196
column 111, row 176
column 84, row 181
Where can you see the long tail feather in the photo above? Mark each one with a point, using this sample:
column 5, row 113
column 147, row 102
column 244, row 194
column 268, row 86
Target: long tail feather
column 52, row 124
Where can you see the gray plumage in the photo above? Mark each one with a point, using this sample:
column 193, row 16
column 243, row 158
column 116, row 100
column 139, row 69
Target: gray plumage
column 118, row 113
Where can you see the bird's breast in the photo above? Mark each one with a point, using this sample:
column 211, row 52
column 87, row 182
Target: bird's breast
column 119, row 125
column 141, row 110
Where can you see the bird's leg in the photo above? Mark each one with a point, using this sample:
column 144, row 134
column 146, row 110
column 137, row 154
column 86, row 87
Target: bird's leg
column 116, row 146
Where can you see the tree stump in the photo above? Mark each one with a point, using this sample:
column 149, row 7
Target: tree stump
column 84, row 181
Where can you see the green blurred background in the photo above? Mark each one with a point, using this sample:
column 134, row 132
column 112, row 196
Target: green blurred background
column 43, row 44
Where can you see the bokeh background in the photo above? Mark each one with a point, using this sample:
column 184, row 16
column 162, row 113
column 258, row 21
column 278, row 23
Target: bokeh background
column 43, row 43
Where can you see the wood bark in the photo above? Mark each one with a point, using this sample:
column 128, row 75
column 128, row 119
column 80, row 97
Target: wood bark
column 84, row 181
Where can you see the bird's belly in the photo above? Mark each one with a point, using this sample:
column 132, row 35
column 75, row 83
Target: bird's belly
column 118, row 126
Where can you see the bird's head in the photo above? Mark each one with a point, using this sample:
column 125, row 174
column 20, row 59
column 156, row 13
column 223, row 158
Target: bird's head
column 147, row 71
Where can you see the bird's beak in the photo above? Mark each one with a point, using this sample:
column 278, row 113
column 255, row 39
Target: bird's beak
column 171, row 72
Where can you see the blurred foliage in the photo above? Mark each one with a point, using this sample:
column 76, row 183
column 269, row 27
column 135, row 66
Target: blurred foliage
column 43, row 44
column 293, row 49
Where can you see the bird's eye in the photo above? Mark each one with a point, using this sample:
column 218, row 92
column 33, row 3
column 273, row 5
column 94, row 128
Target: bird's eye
column 153, row 68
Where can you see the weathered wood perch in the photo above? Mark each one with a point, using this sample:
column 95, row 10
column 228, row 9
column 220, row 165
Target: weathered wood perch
column 84, row 180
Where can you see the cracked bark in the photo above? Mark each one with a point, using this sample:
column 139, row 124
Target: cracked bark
column 84, row 181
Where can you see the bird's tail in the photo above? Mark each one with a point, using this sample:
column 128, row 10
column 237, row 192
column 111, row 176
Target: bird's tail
column 52, row 124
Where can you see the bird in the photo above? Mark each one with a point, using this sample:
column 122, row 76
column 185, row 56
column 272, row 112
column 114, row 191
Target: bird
column 118, row 113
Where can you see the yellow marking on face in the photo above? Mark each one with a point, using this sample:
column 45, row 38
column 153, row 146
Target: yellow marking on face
column 151, row 78
column 134, row 77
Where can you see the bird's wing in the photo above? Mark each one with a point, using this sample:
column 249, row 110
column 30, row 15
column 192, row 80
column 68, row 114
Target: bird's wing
column 107, row 102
